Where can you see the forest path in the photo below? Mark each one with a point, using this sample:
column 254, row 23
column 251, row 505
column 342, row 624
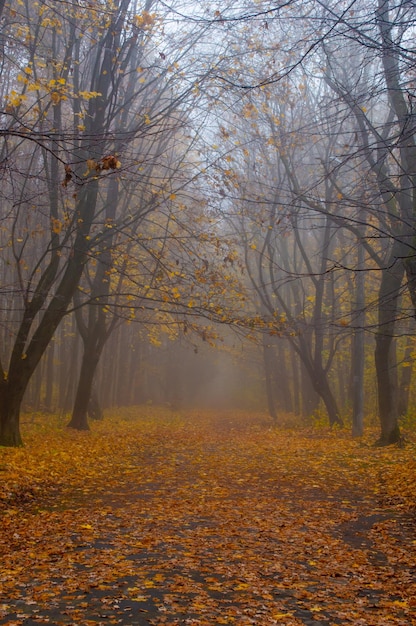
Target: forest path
column 216, row 521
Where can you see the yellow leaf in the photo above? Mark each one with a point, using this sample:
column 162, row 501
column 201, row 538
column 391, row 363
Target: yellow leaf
column 56, row 226
column 91, row 164
column 400, row 603
column 87, row 95
column 241, row 586
column 15, row 99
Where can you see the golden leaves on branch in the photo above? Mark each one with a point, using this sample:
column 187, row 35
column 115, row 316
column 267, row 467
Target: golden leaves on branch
column 107, row 163
column 145, row 20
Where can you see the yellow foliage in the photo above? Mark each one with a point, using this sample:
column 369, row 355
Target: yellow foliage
column 87, row 95
column 15, row 99
column 56, row 226
column 145, row 20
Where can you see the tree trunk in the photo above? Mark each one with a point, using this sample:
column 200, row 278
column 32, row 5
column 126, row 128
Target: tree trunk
column 387, row 390
column 284, row 392
column 322, row 387
column 49, row 371
column 94, row 409
column 296, row 382
column 385, row 361
column 79, row 419
column 319, row 381
column 107, row 367
column 410, row 265
column 268, row 372
column 32, row 397
column 317, row 378
column 10, row 402
column 68, row 364
column 309, row 397
column 173, row 380
column 72, row 359
column 405, row 379
column 357, row 361
column 358, row 383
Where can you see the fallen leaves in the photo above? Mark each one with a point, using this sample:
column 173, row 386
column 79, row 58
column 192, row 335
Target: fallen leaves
column 158, row 518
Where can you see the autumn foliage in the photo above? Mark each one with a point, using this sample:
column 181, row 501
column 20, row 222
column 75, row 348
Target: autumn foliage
column 160, row 518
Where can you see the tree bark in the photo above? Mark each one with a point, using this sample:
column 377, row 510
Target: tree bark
column 79, row 419
column 358, row 384
column 10, row 404
column 268, row 372
column 405, row 379
column 387, row 390
column 94, row 408
column 385, row 361
column 48, row 372
column 321, row 384
column 357, row 361
column 309, row 397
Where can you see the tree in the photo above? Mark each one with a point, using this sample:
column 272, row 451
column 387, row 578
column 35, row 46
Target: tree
column 373, row 103
column 62, row 147
column 386, row 140
column 288, row 237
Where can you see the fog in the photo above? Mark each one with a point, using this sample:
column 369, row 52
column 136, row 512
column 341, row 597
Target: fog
column 208, row 207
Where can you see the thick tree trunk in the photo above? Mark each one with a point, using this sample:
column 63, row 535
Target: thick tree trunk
column 32, row 396
column 387, row 390
column 10, row 403
column 385, row 361
column 94, row 408
column 403, row 248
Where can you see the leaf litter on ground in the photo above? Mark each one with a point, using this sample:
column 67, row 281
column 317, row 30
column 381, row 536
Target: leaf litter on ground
column 156, row 517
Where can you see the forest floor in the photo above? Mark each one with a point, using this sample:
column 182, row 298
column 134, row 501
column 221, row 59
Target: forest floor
column 203, row 519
